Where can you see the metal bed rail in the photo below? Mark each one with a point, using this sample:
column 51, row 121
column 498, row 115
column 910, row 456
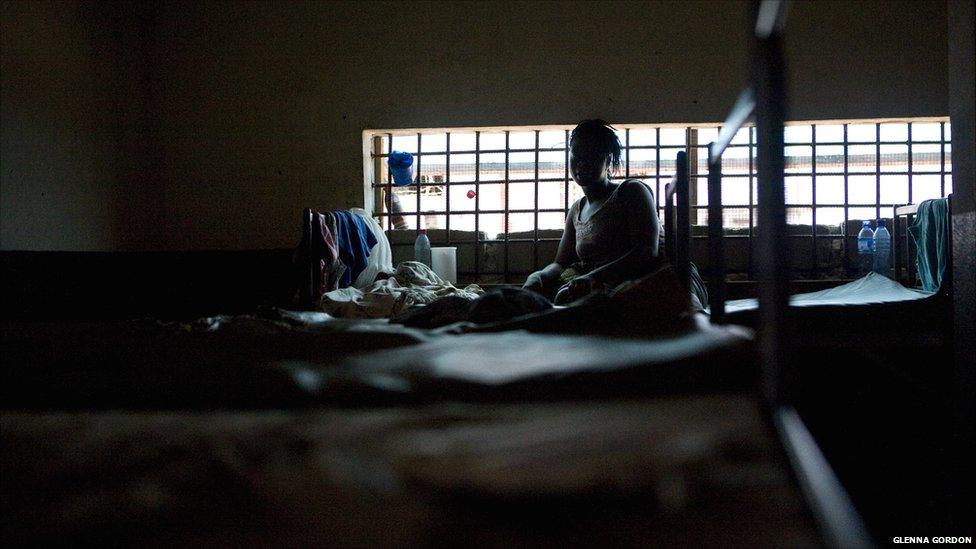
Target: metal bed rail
column 677, row 230
column 308, row 271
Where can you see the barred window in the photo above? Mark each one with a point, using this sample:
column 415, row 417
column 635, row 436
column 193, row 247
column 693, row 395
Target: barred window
column 501, row 195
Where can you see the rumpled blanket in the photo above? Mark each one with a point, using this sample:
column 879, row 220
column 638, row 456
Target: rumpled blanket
column 413, row 283
column 497, row 305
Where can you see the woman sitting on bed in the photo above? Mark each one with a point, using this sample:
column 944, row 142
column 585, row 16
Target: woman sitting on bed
column 612, row 234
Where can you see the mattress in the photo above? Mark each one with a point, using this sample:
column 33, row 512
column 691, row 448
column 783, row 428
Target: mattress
column 242, row 361
column 689, row 471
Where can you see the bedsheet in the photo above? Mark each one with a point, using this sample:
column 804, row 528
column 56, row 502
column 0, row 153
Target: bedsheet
column 871, row 289
column 872, row 310
column 521, row 365
column 284, row 359
column 244, row 361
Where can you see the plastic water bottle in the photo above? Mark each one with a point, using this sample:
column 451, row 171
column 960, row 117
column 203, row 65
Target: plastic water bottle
column 421, row 248
column 865, row 249
column 882, row 249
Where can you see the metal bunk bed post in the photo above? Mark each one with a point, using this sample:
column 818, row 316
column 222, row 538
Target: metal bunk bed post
column 839, row 521
column 309, row 275
column 829, row 503
column 669, row 227
column 677, row 231
column 682, row 253
column 772, row 245
column 716, row 243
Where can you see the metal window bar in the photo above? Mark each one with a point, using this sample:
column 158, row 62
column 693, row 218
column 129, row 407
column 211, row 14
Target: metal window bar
column 752, row 199
column 627, row 148
column 896, row 240
column 566, row 172
column 657, row 172
column 507, row 210
column 389, row 182
column 877, row 170
column 535, row 235
column 417, row 181
column 477, row 200
column 942, row 144
column 847, row 195
column 911, row 164
column 813, row 199
column 447, row 186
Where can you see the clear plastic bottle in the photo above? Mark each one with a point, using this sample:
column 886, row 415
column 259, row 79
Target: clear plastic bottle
column 882, row 250
column 865, row 249
column 421, row 248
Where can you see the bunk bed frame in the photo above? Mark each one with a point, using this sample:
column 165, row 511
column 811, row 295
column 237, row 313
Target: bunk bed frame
column 765, row 100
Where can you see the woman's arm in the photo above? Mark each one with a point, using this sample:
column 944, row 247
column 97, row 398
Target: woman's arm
column 545, row 279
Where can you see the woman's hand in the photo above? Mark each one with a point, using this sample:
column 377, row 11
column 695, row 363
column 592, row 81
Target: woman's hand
column 575, row 289
column 534, row 284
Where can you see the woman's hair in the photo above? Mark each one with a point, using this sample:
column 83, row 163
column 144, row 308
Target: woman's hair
column 601, row 137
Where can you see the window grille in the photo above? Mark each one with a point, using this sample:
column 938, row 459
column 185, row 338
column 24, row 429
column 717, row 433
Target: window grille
column 501, row 195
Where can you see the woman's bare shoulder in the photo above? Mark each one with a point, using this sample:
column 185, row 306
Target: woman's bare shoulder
column 636, row 189
column 575, row 208
column 633, row 184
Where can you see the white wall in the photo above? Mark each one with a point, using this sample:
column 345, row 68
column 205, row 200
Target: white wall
column 253, row 111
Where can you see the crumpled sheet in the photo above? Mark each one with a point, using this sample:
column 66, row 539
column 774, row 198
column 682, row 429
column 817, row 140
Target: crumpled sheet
column 412, row 284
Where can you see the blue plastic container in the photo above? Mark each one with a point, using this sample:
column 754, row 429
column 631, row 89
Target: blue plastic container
column 401, row 166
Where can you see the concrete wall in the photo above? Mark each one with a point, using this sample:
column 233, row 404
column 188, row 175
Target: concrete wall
column 220, row 121
column 75, row 128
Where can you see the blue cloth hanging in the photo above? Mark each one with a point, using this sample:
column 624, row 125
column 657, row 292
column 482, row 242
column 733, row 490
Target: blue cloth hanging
column 355, row 239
